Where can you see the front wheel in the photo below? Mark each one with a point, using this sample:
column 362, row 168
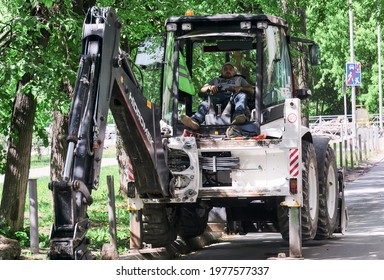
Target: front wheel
column 158, row 225
column 192, row 220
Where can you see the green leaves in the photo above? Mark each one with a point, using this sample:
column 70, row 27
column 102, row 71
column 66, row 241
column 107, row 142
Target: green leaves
column 46, row 45
column 47, row 3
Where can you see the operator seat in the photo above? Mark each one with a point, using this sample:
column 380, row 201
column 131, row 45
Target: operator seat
column 217, row 115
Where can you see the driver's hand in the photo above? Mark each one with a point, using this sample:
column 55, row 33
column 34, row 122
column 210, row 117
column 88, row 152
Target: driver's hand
column 213, row 89
column 237, row 89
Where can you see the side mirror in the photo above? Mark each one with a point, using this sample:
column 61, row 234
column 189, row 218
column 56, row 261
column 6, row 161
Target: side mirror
column 303, row 93
column 314, row 54
column 150, row 53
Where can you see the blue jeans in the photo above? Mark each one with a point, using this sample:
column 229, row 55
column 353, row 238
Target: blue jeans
column 238, row 101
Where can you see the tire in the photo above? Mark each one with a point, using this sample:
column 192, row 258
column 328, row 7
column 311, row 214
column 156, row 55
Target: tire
column 310, row 207
column 192, row 221
column 328, row 198
column 158, row 225
column 283, row 219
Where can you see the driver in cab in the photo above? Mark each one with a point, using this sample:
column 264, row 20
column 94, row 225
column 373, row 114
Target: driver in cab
column 228, row 87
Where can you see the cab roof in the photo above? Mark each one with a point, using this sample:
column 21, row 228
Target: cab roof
column 228, row 19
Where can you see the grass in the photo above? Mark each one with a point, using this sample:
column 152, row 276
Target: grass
column 97, row 212
column 38, row 161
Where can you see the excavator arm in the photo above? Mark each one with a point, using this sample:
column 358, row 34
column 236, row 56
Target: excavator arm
column 104, row 80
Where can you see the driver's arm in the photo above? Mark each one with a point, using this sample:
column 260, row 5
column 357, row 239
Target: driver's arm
column 246, row 89
column 210, row 88
column 244, row 86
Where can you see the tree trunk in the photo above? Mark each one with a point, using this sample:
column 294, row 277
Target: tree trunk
column 58, row 145
column 18, row 159
column 301, row 62
column 125, row 168
column 9, row 249
column 303, row 49
column 300, row 28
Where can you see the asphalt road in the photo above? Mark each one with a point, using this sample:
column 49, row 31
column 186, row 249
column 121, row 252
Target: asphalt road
column 363, row 240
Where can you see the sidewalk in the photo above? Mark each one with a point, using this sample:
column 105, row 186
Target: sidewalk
column 374, row 159
column 44, row 171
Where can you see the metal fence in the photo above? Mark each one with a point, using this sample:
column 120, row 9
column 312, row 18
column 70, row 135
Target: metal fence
column 350, row 151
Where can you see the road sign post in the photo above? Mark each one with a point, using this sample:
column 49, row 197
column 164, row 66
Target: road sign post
column 353, row 72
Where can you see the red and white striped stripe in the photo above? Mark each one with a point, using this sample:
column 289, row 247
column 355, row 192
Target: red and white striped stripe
column 294, row 162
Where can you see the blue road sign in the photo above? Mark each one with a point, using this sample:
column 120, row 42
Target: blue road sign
column 353, row 73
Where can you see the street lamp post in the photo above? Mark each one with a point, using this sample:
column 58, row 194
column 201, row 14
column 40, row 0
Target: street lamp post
column 380, row 80
column 353, row 88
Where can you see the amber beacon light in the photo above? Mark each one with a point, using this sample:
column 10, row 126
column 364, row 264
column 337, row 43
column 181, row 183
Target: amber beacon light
column 189, row 13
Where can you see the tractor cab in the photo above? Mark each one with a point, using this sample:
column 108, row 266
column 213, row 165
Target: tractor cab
column 193, row 53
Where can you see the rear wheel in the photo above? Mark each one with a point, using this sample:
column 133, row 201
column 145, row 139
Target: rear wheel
column 328, row 185
column 310, row 207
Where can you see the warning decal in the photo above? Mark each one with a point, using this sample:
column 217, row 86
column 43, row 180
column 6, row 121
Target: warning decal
column 294, row 162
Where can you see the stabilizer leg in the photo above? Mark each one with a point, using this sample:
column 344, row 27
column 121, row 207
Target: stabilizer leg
column 136, row 228
column 295, row 247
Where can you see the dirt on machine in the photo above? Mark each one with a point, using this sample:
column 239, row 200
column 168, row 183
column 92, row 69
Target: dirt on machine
column 267, row 174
